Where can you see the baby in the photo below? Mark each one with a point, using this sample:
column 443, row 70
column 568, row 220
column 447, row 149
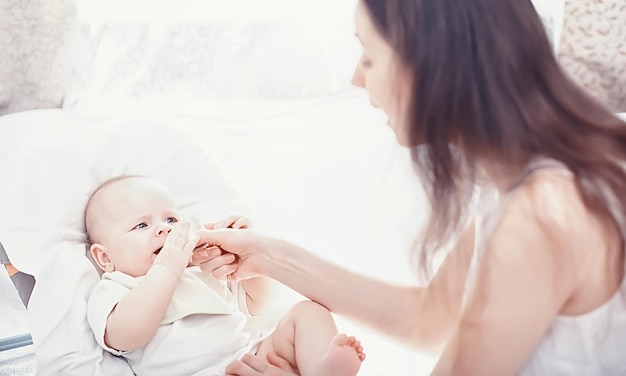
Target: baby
column 165, row 317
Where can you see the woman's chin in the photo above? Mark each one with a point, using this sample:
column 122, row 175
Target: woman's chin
column 401, row 138
column 404, row 144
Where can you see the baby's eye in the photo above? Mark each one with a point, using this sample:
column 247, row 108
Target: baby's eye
column 141, row 225
column 171, row 220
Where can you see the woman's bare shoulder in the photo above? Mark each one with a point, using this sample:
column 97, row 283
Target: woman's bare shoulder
column 549, row 208
column 551, row 200
column 544, row 227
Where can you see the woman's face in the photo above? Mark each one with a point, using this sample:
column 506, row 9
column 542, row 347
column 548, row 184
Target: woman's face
column 380, row 72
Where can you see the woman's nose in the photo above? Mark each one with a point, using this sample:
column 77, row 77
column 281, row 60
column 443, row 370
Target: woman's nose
column 358, row 78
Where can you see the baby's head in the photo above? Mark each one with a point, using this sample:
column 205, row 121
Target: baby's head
column 127, row 220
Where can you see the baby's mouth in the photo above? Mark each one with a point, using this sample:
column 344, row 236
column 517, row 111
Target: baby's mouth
column 158, row 251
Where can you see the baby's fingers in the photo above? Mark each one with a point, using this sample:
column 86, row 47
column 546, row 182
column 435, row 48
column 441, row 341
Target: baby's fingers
column 191, row 245
column 177, row 238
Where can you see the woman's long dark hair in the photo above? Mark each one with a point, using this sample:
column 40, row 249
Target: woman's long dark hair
column 487, row 86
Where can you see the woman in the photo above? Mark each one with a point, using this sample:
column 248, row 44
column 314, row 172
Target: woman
column 534, row 284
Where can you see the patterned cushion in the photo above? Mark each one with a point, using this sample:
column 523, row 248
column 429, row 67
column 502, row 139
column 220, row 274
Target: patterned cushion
column 36, row 62
column 593, row 48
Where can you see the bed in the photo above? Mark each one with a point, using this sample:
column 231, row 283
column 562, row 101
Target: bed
column 258, row 101
column 315, row 172
column 313, row 160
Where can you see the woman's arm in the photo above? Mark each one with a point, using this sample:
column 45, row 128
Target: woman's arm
column 422, row 317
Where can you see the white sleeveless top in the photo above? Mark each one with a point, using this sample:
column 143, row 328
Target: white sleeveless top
column 591, row 344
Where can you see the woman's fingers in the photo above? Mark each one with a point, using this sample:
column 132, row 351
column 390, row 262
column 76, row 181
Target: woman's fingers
column 204, row 254
column 223, row 272
column 213, row 261
column 222, row 238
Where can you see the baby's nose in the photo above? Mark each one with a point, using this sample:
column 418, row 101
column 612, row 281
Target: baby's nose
column 165, row 228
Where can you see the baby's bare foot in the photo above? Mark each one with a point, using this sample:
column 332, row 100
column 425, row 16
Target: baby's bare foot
column 344, row 356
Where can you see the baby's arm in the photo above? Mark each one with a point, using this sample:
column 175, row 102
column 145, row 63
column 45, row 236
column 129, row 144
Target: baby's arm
column 135, row 319
column 257, row 293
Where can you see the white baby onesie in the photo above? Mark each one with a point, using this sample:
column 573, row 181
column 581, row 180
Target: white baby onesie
column 198, row 342
column 196, row 292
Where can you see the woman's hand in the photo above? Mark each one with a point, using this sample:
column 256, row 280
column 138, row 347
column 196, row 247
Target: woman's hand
column 251, row 365
column 213, row 260
column 230, row 260
column 232, row 254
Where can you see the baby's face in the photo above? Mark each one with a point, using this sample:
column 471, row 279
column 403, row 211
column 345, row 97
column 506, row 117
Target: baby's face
column 133, row 220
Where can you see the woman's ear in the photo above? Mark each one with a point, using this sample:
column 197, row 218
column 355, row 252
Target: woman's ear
column 100, row 255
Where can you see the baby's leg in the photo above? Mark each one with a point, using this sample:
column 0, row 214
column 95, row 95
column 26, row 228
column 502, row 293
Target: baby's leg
column 308, row 339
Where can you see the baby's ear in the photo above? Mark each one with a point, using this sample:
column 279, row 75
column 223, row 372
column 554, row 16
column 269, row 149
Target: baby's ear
column 100, row 255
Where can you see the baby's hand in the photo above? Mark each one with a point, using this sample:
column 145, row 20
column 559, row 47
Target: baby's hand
column 231, row 221
column 177, row 249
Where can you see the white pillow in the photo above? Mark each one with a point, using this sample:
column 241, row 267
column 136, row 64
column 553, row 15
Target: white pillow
column 44, row 190
column 21, row 129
